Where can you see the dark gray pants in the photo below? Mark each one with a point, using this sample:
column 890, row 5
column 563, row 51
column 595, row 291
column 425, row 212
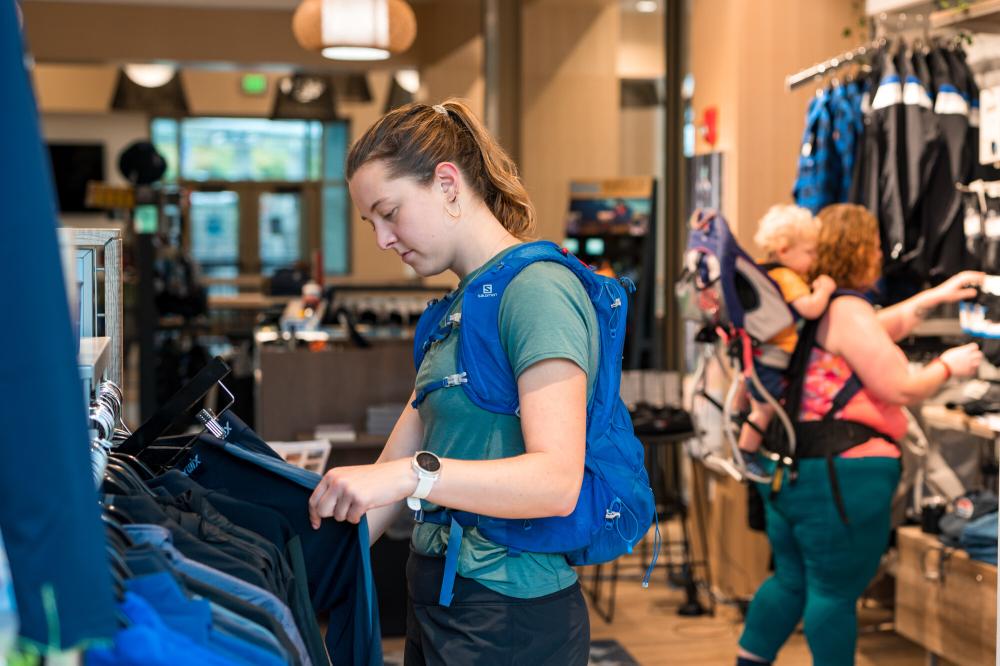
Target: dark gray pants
column 486, row 628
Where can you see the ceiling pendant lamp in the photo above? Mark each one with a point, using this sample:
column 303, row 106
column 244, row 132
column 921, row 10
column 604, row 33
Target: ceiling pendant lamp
column 355, row 29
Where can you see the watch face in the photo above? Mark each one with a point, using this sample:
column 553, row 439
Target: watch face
column 428, row 462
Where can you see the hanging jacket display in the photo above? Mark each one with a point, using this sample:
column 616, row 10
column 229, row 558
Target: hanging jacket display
column 817, row 182
column 336, row 564
column 916, row 136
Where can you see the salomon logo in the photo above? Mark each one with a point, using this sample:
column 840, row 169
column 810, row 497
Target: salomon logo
column 192, row 465
column 487, row 291
column 226, row 429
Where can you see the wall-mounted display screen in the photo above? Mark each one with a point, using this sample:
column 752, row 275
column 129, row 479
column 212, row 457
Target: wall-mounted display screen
column 73, row 166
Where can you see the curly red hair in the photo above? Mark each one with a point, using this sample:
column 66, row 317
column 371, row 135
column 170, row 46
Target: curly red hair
column 848, row 249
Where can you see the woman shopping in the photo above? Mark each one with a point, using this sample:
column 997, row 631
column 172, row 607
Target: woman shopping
column 829, row 529
column 439, row 191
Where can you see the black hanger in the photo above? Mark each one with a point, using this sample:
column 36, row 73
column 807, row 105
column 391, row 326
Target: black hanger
column 133, row 463
column 114, row 512
column 131, row 479
column 115, row 529
column 182, row 402
column 115, row 485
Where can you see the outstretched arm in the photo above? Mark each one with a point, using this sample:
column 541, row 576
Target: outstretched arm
column 855, row 332
column 900, row 319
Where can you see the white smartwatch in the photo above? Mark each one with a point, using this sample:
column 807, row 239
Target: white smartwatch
column 428, row 469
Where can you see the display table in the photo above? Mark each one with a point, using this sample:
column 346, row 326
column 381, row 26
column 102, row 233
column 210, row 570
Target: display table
column 945, row 602
column 939, row 416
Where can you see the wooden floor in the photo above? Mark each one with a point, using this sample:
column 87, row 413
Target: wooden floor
column 646, row 623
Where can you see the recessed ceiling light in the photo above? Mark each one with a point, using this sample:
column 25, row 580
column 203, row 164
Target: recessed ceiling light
column 149, row 75
column 646, row 6
column 408, row 80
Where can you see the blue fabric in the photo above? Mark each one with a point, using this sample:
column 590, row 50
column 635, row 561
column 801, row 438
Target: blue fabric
column 337, row 556
column 150, row 642
column 817, row 182
column 245, row 651
column 160, row 537
column 773, row 380
column 848, row 126
column 303, row 477
column 615, row 506
column 193, row 618
column 48, row 509
column 234, row 624
column 235, row 431
column 979, row 538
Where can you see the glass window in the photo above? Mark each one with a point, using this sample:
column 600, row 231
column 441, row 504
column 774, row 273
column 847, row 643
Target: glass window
column 259, row 149
column 280, row 230
column 336, row 151
column 215, row 232
column 336, row 238
column 245, row 149
column 164, row 135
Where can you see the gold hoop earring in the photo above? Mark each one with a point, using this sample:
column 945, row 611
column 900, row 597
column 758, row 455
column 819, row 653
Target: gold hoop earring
column 457, row 205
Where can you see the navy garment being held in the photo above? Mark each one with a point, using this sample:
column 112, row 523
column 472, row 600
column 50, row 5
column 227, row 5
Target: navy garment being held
column 336, row 555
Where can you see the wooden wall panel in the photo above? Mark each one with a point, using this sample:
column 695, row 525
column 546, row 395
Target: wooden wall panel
column 740, row 55
column 570, row 99
column 777, row 39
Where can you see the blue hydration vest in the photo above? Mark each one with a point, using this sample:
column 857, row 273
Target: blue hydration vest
column 615, row 507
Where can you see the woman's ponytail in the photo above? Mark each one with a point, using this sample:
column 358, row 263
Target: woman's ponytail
column 415, row 138
column 502, row 189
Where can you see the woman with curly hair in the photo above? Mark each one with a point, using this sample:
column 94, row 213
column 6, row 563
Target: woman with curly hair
column 828, row 530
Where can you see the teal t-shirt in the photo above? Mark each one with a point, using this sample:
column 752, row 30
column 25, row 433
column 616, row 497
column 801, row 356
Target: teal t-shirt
column 545, row 313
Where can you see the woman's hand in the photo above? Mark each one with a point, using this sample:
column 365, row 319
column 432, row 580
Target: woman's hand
column 963, row 361
column 958, row 287
column 347, row 493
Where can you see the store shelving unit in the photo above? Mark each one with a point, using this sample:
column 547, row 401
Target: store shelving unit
column 94, row 357
column 982, row 16
column 97, row 255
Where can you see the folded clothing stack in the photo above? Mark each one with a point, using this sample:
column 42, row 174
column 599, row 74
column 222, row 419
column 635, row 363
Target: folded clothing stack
column 973, row 526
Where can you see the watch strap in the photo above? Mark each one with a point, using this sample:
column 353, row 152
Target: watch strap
column 424, row 486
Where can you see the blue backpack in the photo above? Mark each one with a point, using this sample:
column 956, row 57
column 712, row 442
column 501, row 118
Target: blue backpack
column 615, row 507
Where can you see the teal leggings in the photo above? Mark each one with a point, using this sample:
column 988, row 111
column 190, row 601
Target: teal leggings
column 821, row 565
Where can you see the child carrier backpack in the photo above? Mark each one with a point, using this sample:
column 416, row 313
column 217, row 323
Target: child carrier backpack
column 824, row 438
column 615, row 507
column 736, row 306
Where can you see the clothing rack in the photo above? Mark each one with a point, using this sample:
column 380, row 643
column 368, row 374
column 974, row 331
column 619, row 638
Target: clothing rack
column 804, row 76
column 880, row 26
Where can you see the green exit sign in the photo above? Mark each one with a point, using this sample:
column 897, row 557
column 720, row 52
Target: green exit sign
column 253, row 84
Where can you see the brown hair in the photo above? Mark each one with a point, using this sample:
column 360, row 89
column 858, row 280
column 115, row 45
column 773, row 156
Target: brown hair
column 415, row 138
column 848, row 247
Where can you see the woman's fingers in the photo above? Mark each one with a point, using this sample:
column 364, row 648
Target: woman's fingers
column 323, row 502
column 342, row 507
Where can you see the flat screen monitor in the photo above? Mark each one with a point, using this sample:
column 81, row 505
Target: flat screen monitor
column 73, row 165
column 594, row 247
column 611, row 207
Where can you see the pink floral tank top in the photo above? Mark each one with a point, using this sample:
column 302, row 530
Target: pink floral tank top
column 826, row 374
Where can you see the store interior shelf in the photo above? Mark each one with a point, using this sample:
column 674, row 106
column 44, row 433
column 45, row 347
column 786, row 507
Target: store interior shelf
column 942, row 327
column 93, row 359
column 982, row 16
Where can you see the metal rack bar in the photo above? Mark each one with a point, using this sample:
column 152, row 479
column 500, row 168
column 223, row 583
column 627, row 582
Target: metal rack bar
column 793, row 81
